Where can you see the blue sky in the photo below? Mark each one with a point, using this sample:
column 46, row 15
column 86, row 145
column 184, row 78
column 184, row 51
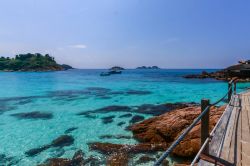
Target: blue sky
column 129, row 33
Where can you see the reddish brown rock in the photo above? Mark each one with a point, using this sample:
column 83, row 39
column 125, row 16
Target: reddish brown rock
column 109, row 148
column 167, row 127
column 118, row 159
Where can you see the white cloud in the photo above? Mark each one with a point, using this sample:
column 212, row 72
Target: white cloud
column 82, row 46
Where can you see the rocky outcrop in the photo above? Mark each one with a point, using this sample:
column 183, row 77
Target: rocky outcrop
column 241, row 71
column 164, row 129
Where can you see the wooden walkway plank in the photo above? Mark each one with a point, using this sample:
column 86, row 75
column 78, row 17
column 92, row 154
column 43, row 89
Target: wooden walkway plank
column 229, row 137
column 245, row 133
column 220, row 132
column 231, row 140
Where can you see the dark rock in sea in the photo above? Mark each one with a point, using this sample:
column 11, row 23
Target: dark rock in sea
column 78, row 158
column 35, row 151
column 136, row 118
column 4, row 107
column 156, row 110
column 115, row 137
column 105, row 97
column 121, row 123
column 33, row 115
column 69, row 130
column 23, row 102
column 126, row 115
column 66, row 93
column 107, row 119
column 8, row 160
column 113, row 108
column 144, row 159
column 64, row 140
column 138, row 92
column 149, row 109
column 89, row 116
column 118, row 159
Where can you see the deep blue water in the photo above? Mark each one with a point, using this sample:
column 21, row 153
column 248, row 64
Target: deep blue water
column 63, row 95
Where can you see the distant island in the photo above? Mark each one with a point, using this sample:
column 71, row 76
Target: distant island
column 240, row 70
column 31, row 62
column 148, row 67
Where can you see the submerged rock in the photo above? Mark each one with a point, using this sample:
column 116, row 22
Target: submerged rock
column 64, row 140
column 126, row 115
column 33, row 115
column 136, row 118
column 8, row 160
column 108, row 119
column 35, row 151
column 69, row 130
column 149, row 109
column 159, row 109
column 121, row 123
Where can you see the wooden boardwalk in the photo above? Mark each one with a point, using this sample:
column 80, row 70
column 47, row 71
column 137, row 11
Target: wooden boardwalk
column 230, row 143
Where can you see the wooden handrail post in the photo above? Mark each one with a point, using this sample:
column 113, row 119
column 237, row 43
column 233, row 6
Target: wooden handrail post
column 229, row 91
column 235, row 87
column 205, row 124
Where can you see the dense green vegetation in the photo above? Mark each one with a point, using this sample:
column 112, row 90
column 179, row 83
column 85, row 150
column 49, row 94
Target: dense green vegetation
column 30, row 62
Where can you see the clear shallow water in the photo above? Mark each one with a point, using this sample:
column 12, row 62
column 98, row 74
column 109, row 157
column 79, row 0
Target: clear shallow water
column 65, row 94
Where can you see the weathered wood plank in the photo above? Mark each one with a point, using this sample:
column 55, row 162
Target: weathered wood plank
column 245, row 134
column 229, row 136
column 218, row 137
column 231, row 140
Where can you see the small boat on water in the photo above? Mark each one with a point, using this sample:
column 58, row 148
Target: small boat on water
column 115, row 72
column 110, row 72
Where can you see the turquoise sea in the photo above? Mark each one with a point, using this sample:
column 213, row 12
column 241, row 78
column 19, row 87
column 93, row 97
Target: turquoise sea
column 58, row 101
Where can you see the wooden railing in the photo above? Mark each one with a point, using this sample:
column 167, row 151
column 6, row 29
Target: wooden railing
column 204, row 117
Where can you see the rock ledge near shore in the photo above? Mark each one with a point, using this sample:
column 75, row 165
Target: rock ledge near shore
column 166, row 128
